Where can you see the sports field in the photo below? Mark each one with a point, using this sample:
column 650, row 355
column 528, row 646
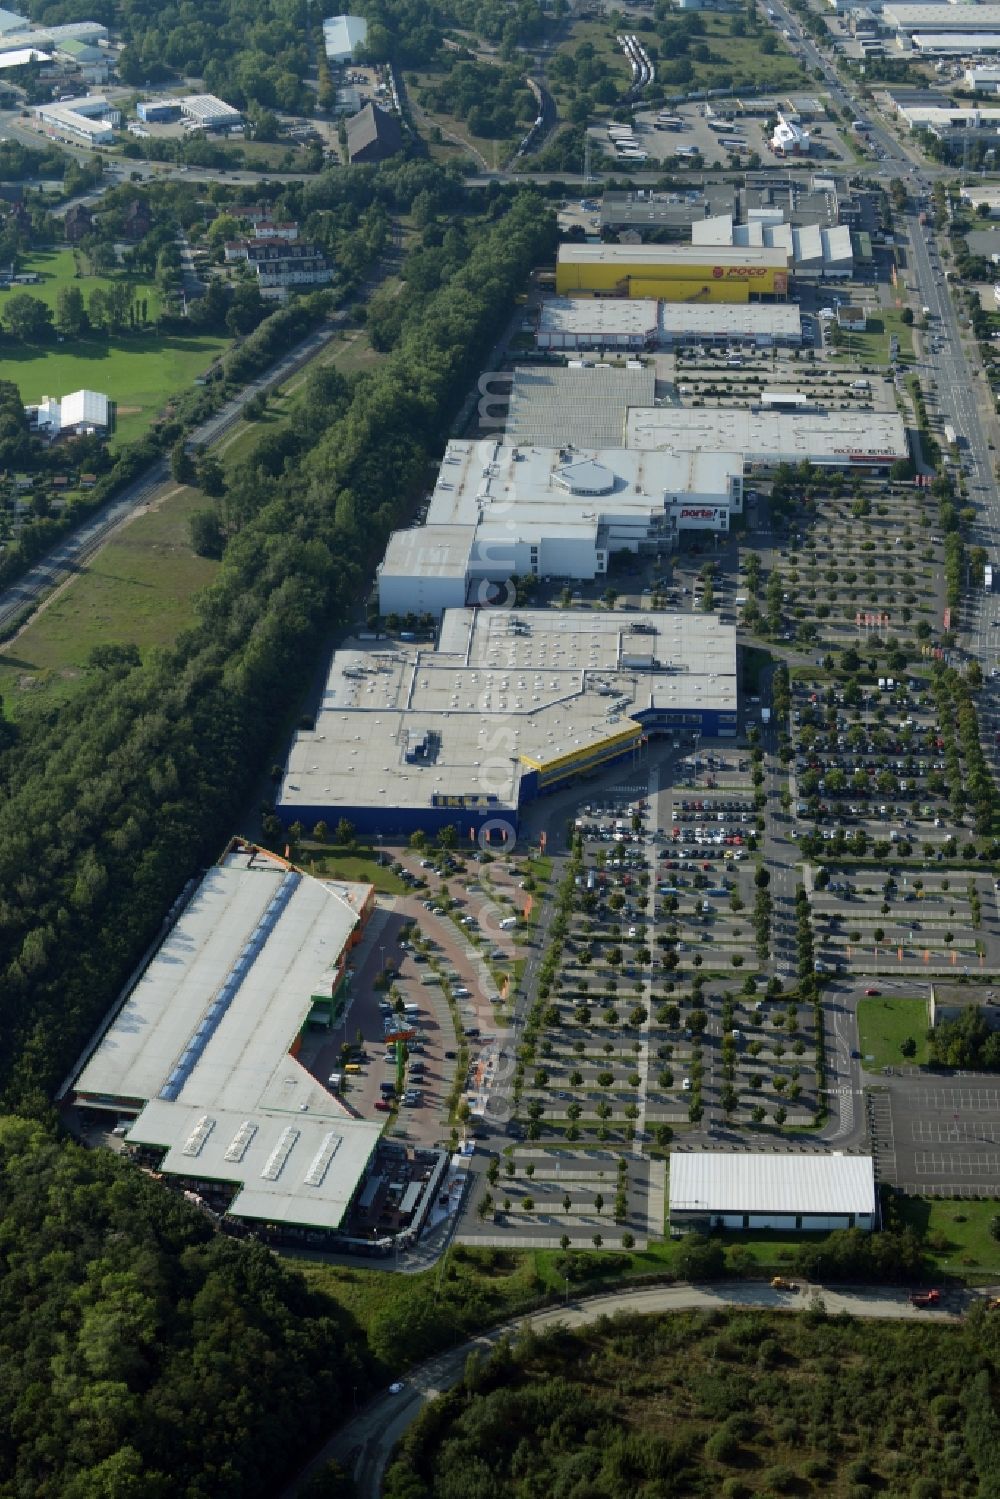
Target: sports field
column 140, row 371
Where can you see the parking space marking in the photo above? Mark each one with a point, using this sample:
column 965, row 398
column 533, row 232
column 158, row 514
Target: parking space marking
column 937, row 1132
column 978, row 1100
column 937, row 1163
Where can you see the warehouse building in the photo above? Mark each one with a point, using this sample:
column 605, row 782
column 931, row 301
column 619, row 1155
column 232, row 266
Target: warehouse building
column 811, row 249
column 341, row 34
column 673, row 273
column 787, row 1193
column 373, row 135
column 634, row 324
column 871, row 440
column 500, row 511
column 904, row 20
column 510, row 705
column 201, row 1058
column 982, row 81
column 949, row 121
column 158, row 111
column 91, row 118
column 206, row 112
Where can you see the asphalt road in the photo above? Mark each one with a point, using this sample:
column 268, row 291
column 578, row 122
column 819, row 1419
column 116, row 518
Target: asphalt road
column 364, row 1445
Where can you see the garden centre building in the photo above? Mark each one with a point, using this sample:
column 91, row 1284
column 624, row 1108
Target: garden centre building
column 201, row 1059
column 510, row 704
column 737, row 1190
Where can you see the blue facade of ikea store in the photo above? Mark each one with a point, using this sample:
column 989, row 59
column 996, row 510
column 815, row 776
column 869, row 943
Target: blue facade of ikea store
column 484, row 819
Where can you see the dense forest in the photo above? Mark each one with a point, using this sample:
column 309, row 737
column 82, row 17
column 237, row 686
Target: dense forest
column 110, row 803
column 143, row 1354
column 731, row 1403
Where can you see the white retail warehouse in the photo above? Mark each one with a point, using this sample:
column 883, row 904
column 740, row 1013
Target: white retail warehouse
column 341, row 34
column 580, row 323
column 509, row 705
column 731, row 1189
column 202, row 1054
column 501, row 510
column 766, row 438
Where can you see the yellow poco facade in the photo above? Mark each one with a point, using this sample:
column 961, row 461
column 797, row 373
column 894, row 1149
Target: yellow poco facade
column 673, row 273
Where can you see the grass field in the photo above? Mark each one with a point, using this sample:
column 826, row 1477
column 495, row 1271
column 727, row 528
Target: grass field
column 138, row 589
column 351, row 864
column 872, row 346
column 957, row 1234
column 884, row 1024
column 140, row 372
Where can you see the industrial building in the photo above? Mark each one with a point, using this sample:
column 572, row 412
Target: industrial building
column 11, row 21
column 950, row 120
column 500, row 511
column 904, row 20
column 585, row 405
column 634, row 324
column 201, row 1059
column 871, row 440
column 91, row 118
column 158, row 111
column 673, row 273
column 341, row 34
column 752, row 1190
column 667, row 214
column 511, row 704
column 206, row 112
column 810, row 249
column 50, row 37
column 955, row 43
column 373, row 135
column 983, row 80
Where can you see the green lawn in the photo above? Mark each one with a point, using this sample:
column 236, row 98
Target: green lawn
column 956, row 1233
column 138, row 589
column 872, row 346
column 353, row 864
column 140, row 371
column 884, row 1024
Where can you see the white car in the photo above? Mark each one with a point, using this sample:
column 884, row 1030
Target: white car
column 686, row 1085
column 397, row 1387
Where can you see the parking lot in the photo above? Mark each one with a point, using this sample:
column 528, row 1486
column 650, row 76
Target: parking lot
column 938, row 1136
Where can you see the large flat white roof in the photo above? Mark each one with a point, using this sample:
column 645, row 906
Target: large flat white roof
column 529, row 492
column 942, row 17
column 588, row 316
column 583, row 405
column 767, row 436
column 557, row 681
column 780, row 319
column 682, row 255
column 723, row 1182
column 208, row 1028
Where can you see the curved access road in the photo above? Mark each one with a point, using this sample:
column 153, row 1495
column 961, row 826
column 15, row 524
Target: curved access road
column 365, row 1444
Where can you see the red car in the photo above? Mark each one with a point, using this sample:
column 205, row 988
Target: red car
column 383, row 1106
column 873, row 993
